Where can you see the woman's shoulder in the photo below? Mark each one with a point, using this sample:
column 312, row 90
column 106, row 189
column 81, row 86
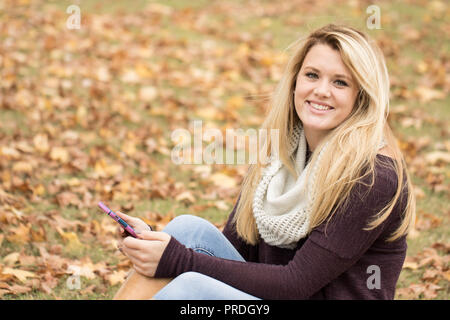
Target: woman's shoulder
column 384, row 179
column 384, row 175
column 383, row 183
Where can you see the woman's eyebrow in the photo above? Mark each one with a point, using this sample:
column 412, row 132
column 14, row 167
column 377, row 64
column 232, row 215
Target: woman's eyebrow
column 336, row 75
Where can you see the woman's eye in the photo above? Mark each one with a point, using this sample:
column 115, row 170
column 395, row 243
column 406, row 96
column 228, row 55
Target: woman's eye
column 311, row 75
column 341, row 83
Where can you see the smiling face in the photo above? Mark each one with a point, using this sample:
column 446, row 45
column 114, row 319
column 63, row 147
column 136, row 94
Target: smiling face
column 325, row 92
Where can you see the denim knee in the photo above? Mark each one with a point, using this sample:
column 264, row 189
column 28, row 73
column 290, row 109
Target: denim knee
column 185, row 227
column 180, row 288
column 202, row 236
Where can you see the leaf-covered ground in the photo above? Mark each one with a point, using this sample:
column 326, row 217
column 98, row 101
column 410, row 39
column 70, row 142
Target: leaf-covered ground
column 86, row 115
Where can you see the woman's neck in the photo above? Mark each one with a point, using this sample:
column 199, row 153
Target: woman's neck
column 313, row 138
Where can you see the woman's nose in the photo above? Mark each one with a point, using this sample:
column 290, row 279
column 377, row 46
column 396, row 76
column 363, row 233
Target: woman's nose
column 322, row 89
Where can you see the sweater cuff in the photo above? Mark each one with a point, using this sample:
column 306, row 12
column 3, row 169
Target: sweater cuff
column 169, row 265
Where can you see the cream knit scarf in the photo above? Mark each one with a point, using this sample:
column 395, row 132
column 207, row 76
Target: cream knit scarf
column 281, row 204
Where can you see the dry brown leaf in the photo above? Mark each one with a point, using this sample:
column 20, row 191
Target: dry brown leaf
column 426, row 94
column 436, row 157
column 59, row 154
column 18, row 289
column 117, row 277
column 70, row 238
column 148, row 94
column 11, row 258
column 186, row 197
column 105, row 170
column 19, row 234
column 22, row 167
column 22, row 275
column 41, row 144
column 223, row 180
column 67, row 198
column 221, row 205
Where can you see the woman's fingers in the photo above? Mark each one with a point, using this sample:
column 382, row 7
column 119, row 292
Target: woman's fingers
column 154, row 235
column 122, row 232
column 136, row 223
column 131, row 253
column 134, row 243
column 128, row 219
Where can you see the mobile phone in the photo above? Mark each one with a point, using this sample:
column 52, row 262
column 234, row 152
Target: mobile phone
column 128, row 229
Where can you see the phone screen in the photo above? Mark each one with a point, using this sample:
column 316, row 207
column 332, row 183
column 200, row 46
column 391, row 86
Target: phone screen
column 128, row 229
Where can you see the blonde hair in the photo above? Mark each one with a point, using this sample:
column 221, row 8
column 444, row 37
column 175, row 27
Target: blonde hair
column 352, row 146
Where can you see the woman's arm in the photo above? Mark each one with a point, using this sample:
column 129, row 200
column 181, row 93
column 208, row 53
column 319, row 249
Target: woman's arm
column 311, row 269
column 323, row 257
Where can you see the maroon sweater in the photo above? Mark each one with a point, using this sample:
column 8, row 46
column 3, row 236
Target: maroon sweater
column 333, row 262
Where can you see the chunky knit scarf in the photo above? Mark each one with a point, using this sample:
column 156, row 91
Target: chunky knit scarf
column 281, row 204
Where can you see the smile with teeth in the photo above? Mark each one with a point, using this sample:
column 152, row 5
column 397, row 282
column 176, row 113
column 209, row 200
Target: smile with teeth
column 319, row 106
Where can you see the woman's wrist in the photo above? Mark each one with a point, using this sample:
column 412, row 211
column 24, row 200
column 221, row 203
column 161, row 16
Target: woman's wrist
column 168, row 265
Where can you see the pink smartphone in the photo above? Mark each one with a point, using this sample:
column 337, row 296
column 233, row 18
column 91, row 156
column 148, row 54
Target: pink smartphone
column 128, row 229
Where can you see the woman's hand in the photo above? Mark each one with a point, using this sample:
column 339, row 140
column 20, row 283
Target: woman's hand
column 146, row 251
column 137, row 224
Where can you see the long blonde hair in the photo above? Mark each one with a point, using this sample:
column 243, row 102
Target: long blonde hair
column 351, row 150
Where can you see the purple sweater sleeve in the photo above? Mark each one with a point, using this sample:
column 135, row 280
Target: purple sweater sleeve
column 326, row 253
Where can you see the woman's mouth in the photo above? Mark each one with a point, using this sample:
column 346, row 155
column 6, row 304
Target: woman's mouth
column 318, row 107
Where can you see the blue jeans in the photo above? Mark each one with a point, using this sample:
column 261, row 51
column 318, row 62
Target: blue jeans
column 201, row 236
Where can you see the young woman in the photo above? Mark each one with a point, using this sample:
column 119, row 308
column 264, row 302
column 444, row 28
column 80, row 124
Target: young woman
column 327, row 218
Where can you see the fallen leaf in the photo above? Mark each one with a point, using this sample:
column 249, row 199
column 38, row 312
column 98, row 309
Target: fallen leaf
column 223, row 180
column 20, row 234
column 426, row 94
column 410, row 265
column 438, row 157
column 67, row 198
column 17, row 289
column 117, row 277
column 48, row 282
column 59, row 154
column 40, row 142
column 427, row 221
column 431, row 275
column 22, row 275
column 9, row 153
column 105, row 170
column 148, row 94
column 22, row 167
column 446, row 275
column 186, row 197
column 70, row 238
column 221, row 205
column 11, row 258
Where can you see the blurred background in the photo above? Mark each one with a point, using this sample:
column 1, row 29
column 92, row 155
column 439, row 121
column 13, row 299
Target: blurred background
column 91, row 91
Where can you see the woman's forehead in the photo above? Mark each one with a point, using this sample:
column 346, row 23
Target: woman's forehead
column 325, row 59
